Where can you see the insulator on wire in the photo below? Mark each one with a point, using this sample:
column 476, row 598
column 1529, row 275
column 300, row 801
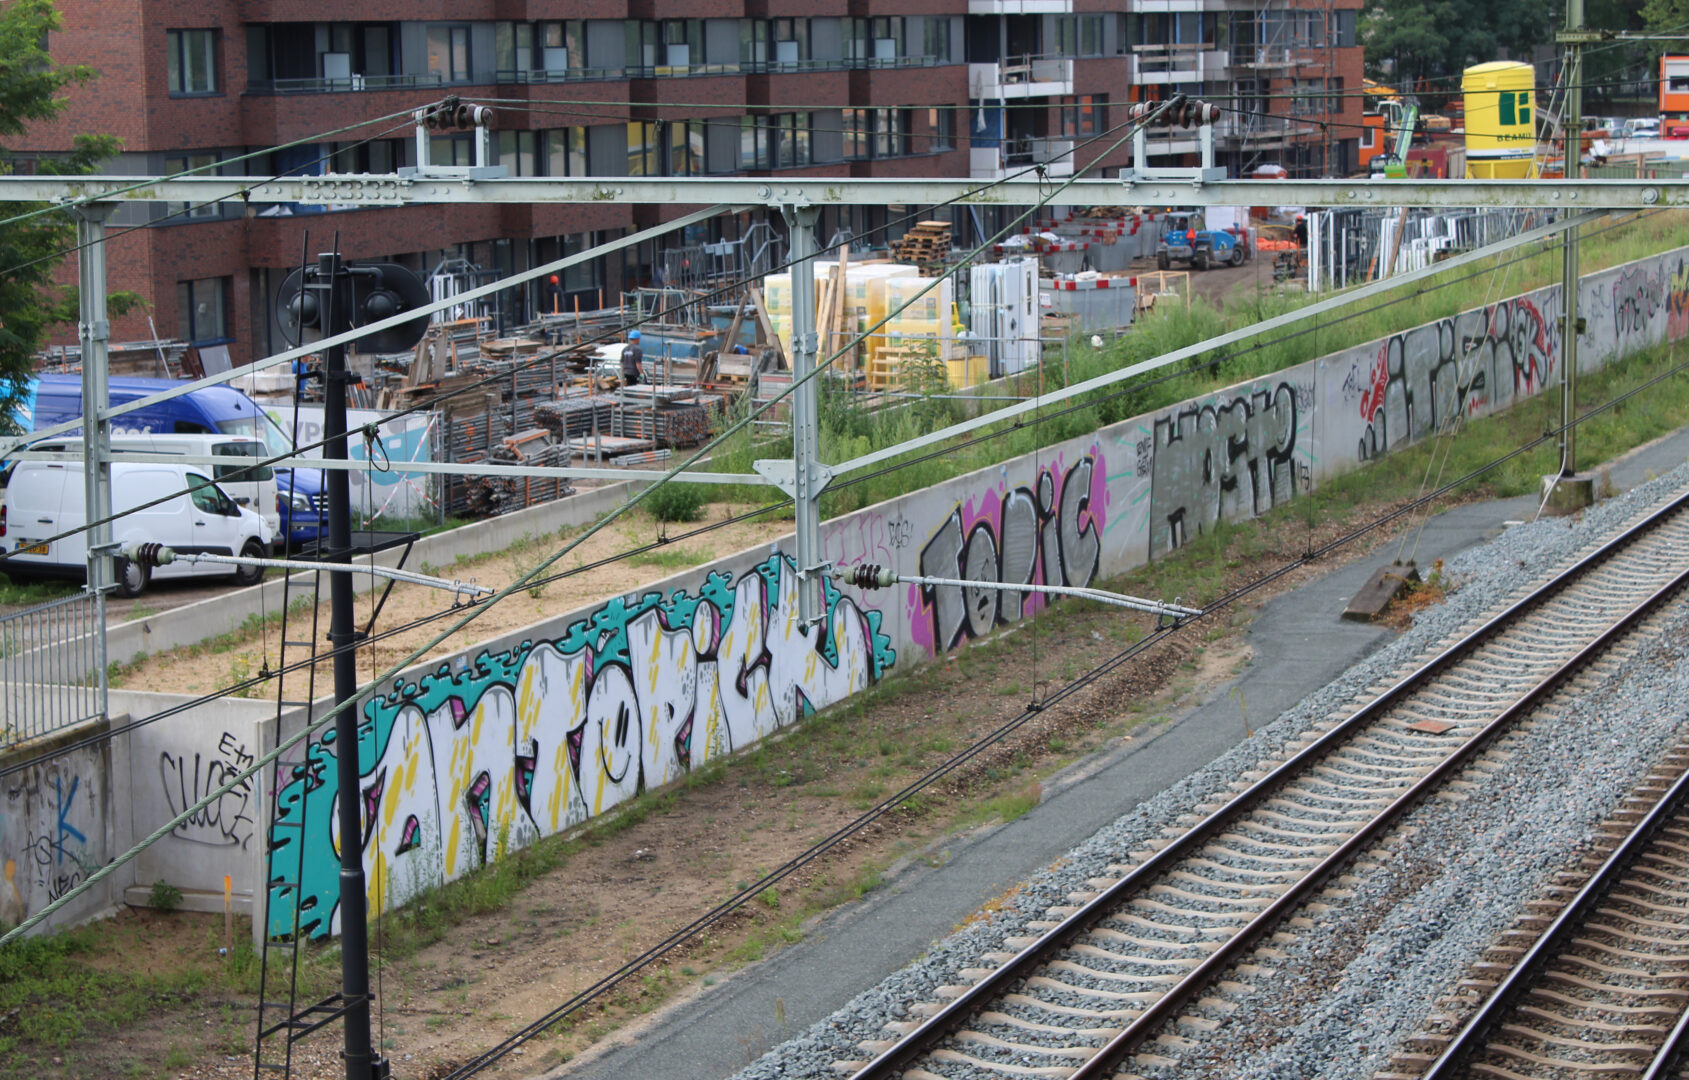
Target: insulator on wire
column 149, row 554
column 869, row 576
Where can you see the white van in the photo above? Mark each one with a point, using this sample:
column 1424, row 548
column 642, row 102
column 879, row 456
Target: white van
column 45, row 498
column 255, row 489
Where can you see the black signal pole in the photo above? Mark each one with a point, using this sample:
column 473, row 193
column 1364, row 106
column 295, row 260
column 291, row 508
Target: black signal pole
column 333, row 293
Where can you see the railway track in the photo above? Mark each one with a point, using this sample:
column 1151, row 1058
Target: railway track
column 1107, row 973
column 1594, row 981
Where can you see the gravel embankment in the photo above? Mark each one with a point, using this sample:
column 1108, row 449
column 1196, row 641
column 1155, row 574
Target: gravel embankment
column 1342, row 996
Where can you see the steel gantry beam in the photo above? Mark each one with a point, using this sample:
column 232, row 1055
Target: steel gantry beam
column 369, row 189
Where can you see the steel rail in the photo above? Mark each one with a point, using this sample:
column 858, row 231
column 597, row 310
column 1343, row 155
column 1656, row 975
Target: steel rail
column 916, row 1043
column 1471, row 1038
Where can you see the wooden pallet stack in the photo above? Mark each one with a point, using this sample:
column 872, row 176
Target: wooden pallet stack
column 927, row 245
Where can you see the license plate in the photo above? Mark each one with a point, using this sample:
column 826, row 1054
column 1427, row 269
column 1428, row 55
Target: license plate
column 33, row 549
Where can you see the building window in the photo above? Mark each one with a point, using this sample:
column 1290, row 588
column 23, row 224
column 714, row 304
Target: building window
column 876, row 133
column 793, row 130
column 935, row 42
column 1090, row 35
column 200, row 309
column 516, row 152
column 753, row 43
column 204, row 163
column 683, row 45
column 1067, row 35
column 644, row 148
column 686, row 148
column 856, row 128
column 192, row 59
column 890, row 132
column 941, row 122
column 448, row 53
column 565, row 152
column 583, row 275
column 754, row 143
column 451, row 150
column 1082, row 116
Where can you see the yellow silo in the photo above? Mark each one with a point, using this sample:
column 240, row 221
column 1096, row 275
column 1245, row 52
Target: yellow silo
column 1501, row 134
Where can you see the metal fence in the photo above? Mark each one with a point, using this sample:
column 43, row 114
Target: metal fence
column 50, row 674
column 1348, row 247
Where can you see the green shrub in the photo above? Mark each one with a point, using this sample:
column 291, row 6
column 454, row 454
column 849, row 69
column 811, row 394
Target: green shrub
column 164, row 896
column 676, row 502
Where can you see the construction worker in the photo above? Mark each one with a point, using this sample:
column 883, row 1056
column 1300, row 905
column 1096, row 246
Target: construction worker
column 551, row 301
column 1301, row 231
column 632, row 357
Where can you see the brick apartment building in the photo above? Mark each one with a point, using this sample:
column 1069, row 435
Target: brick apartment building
column 961, row 88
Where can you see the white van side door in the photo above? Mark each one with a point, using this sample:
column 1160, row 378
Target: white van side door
column 216, row 522
column 34, row 507
column 165, row 523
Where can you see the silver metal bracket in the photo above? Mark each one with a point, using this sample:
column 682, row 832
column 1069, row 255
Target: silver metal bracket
column 783, row 474
column 1141, row 171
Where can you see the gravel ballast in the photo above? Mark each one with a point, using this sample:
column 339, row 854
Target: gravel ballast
column 1343, row 994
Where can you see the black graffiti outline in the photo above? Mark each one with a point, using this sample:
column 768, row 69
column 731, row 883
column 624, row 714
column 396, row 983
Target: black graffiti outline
column 1068, row 553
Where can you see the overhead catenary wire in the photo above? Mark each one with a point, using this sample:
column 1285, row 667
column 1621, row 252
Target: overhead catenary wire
column 365, row 692
column 1194, row 367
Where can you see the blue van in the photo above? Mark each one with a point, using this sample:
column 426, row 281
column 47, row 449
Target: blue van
column 54, row 399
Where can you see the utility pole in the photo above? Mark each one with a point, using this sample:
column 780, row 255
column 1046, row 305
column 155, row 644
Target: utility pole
column 804, row 477
column 332, row 291
column 94, row 331
column 1572, row 126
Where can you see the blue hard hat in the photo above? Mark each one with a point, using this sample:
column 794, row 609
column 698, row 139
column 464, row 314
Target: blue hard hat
column 633, row 335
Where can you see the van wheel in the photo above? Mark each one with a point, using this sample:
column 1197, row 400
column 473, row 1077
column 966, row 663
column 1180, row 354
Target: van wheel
column 251, row 575
column 131, row 577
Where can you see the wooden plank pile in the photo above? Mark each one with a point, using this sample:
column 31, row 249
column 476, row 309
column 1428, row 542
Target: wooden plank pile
column 927, row 245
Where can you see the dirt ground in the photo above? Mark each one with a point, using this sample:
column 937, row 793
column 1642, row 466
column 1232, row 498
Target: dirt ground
column 1224, row 284
column 205, row 667
column 621, row 885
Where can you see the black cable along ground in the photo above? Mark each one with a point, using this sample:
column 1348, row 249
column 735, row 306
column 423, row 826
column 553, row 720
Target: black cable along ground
column 1159, row 634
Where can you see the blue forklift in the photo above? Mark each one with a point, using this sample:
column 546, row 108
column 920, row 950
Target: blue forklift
column 1186, row 238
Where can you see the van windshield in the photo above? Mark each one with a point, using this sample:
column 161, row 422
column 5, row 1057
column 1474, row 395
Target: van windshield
column 261, row 427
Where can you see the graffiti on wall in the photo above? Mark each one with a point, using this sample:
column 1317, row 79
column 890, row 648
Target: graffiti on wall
column 1228, row 459
column 1048, row 533
column 461, row 768
column 1474, row 362
column 1639, row 292
column 60, row 841
column 1677, row 301
column 189, row 777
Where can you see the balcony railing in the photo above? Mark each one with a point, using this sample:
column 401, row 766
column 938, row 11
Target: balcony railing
column 1021, row 76
column 348, row 84
column 995, row 162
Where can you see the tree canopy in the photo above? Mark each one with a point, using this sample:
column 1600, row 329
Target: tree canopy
column 1422, row 46
column 31, row 90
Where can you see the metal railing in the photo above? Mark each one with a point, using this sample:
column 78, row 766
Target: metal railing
column 50, row 674
column 349, row 84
